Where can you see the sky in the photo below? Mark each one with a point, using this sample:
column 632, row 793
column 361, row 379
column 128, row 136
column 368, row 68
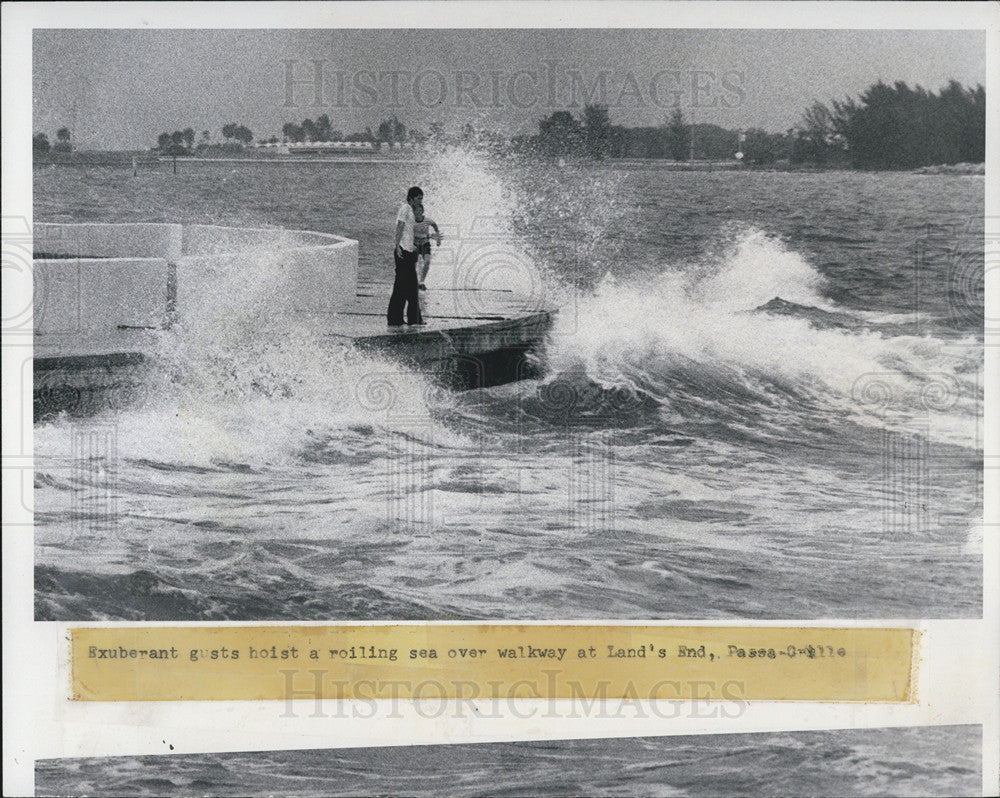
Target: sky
column 118, row 89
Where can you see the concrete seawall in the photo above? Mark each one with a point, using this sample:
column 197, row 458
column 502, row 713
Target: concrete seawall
column 76, row 295
column 99, row 277
column 104, row 292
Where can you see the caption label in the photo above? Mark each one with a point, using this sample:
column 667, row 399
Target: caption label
column 491, row 661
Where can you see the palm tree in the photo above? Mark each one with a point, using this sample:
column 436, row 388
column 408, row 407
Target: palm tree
column 63, row 143
column 597, row 129
column 243, row 134
column 323, row 128
column 678, row 136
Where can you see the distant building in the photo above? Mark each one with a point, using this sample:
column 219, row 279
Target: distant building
column 316, row 147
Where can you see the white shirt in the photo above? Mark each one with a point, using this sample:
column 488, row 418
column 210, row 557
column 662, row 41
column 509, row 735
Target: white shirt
column 405, row 216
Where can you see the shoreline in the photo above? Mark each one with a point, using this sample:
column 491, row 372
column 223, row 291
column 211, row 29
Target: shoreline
column 124, row 159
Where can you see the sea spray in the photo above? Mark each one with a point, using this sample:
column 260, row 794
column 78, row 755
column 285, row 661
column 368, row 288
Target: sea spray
column 743, row 485
column 693, row 339
column 519, row 226
column 472, row 206
column 238, row 380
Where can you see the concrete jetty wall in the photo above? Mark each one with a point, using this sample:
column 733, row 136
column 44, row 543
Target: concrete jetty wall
column 99, row 277
column 87, row 295
column 97, row 240
column 103, row 292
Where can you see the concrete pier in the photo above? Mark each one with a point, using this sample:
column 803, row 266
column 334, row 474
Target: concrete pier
column 472, row 338
column 98, row 320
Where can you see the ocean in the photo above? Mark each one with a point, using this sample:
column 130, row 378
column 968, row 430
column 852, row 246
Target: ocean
column 853, row 762
column 686, row 452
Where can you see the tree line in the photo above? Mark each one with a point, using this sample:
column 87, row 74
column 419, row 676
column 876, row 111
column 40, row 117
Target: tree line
column 182, row 142
column 595, row 136
column 40, row 142
column 238, row 136
column 389, row 131
column 886, row 127
column 899, row 127
column 321, row 130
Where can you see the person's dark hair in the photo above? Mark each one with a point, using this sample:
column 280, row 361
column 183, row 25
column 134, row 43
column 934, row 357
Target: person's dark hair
column 415, row 191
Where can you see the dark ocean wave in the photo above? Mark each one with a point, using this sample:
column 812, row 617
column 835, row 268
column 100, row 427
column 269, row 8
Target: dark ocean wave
column 740, row 413
column 928, row 761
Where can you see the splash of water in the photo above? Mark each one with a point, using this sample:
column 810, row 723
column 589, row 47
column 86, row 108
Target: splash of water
column 692, row 332
column 238, row 385
column 471, row 203
column 236, row 382
column 513, row 225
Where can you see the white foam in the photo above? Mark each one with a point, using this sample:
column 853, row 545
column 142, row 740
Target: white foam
column 696, row 320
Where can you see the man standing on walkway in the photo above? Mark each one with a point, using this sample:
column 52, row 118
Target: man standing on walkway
column 404, row 288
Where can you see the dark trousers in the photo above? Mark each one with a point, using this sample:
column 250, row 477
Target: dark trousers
column 405, row 291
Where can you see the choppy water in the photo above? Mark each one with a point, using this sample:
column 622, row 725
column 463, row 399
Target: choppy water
column 683, row 456
column 858, row 762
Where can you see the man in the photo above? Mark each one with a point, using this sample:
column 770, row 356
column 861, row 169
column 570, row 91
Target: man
column 404, row 289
